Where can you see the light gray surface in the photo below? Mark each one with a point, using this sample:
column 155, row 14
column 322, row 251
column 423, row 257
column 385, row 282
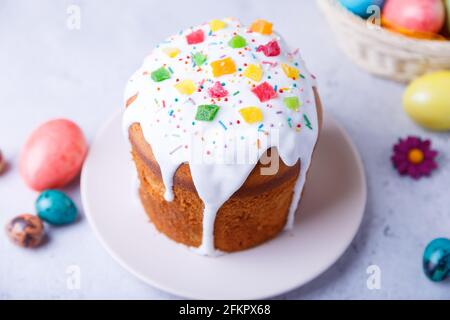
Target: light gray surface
column 47, row 71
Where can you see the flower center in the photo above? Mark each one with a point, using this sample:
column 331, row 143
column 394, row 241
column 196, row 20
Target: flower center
column 415, row 156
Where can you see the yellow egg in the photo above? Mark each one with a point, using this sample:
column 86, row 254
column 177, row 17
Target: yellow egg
column 427, row 101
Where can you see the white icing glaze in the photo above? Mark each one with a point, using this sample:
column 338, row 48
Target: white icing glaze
column 222, row 153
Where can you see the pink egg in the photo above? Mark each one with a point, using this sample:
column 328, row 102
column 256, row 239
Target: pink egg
column 415, row 15
column 53, row 155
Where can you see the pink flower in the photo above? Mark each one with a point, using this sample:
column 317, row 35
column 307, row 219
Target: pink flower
column 414, row 157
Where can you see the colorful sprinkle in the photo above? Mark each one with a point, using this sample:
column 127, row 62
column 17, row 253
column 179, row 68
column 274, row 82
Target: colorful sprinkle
column 131, row 99
column 223, row 125
column 307, row 121
column 289, row 120
column 271, row 64
column 176, row 149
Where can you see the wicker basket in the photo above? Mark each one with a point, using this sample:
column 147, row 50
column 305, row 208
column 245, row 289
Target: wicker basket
column 382, row 52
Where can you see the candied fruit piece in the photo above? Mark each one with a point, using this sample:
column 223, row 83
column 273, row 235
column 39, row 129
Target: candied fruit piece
column 251, row 114
column 292, row 103
column 270, row 49
column 264, row 92
column 254, row 72
column 195, row 37
column 237, row 42
column 186, row 87
column 290, row 72
column 171, row 52
column 206, row 112
column 160, row 74
column 217, row 90
column 199, row 59
column 223, row 66
column 261, row 26
column 216, row 25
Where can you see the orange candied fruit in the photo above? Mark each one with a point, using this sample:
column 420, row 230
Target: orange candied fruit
column 223, row 66
column 261, row 26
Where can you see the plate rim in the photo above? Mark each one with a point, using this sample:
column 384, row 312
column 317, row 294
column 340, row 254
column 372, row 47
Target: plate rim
column 180, row 292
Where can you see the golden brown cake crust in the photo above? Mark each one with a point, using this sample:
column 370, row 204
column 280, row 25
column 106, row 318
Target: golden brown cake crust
column 255, row 213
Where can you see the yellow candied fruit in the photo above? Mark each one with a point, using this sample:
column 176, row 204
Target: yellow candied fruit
column 223, row 66
column 171, row 52
column 290, row 72
column 186, row 87
column 261, row 26
column 251, row 114
column 217, row 25
column 254, row 72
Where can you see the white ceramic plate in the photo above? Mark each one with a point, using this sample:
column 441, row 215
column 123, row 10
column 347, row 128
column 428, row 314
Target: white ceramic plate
column 329, row 217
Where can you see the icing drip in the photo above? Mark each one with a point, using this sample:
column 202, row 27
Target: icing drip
column 222, row 149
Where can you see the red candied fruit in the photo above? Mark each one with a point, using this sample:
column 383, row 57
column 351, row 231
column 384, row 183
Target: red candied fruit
column 264, row 92
column 270, row 49
column 195, row 37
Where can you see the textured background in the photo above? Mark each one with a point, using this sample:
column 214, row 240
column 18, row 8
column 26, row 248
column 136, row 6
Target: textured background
column 47, row 71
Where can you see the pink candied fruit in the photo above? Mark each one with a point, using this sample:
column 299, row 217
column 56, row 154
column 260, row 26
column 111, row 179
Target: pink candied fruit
column 195, row 37
column 264, row 92
column 217, row 90
column 270, row 49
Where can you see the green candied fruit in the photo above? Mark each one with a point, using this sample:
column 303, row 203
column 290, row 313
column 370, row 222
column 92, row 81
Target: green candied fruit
column 237, row 42
column 292, row 103
column 199, row 58
column 160, row 74
column 206, row 112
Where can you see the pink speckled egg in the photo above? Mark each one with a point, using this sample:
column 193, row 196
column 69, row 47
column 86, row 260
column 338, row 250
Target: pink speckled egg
column 427, row 16
column 53, row 155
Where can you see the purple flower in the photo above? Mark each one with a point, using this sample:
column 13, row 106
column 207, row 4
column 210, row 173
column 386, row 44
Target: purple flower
column 414, row 157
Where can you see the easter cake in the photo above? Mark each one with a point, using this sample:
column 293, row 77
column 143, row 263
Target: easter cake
column 223, row 120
